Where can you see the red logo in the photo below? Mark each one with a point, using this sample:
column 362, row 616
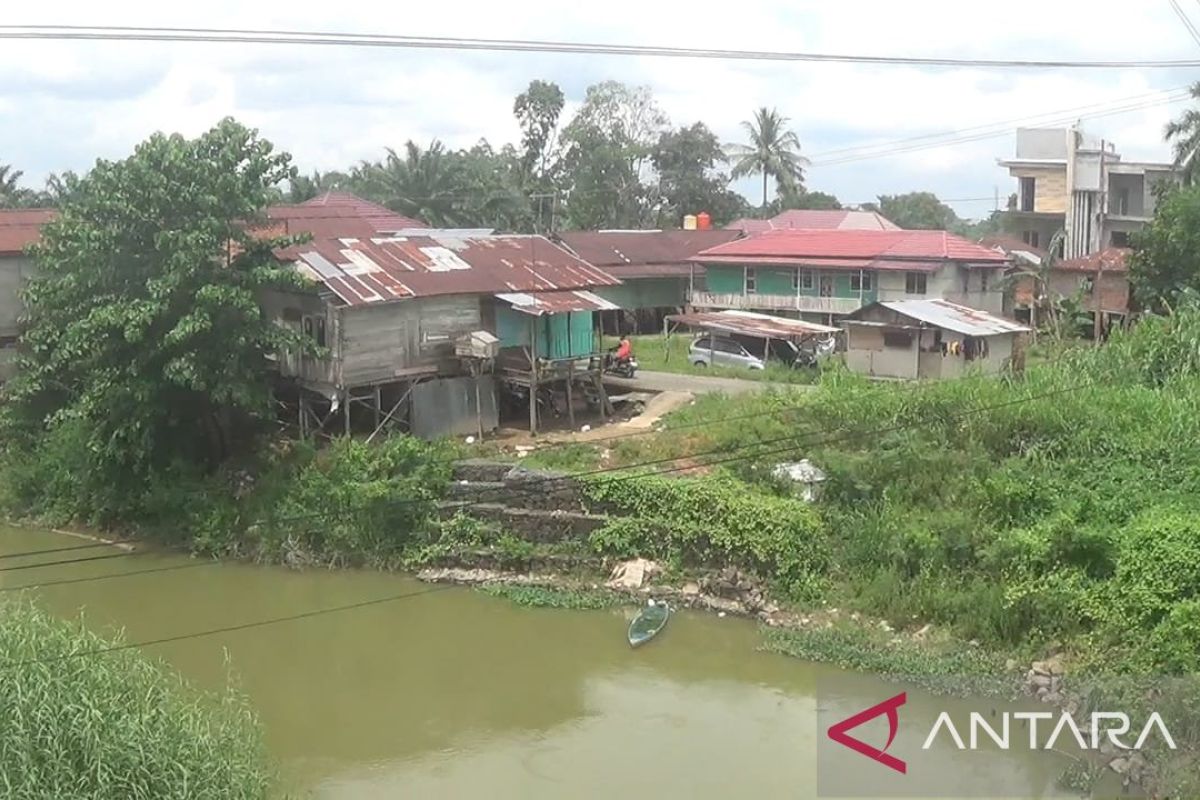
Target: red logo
column 838, row 732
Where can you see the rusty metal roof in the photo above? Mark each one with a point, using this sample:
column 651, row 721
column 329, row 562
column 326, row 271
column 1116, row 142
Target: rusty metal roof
column 340, row 214
column 951, row 316
column 361, row 271
column 645, row 254
column 1110, row 259
column 22, row 227
column 539, row 303
column 750, row 323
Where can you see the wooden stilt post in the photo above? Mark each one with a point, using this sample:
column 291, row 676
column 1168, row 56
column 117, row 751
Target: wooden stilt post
column 570, row 395
column 533, row 377
column 378, row 399
column 303, row 418
column 346, row 412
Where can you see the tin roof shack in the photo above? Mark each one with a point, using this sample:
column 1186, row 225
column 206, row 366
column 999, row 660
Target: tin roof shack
column 802, row 342
column 654, row 267
column 389, row 309
column 928, row 340
column 18, row 230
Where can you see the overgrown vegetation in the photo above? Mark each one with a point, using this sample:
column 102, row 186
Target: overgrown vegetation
column 114, row 726
column 542, row 597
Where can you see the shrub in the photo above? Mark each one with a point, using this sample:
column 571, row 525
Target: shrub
column 113, row 726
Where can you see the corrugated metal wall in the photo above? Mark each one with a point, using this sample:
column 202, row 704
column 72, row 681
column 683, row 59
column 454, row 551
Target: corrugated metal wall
column 446, row 407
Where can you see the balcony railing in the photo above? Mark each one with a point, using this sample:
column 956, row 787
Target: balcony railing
column 778, row 302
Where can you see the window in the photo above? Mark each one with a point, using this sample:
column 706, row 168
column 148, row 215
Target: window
column 1031, row 238
column 751, row 281
column 1122, row 200
column 862, row 281
column 915, row 282
column 321, row 331
column 722, row 345
column 802, row 279
column 898, row 339
column 1087, row 283
column 983, row 280
column 314, row 328
column 826, row 286
column 1028, row 193
column 1120, row 238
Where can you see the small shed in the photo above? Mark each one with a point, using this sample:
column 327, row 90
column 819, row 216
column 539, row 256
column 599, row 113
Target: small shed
column 928, row 340
column 762, row 327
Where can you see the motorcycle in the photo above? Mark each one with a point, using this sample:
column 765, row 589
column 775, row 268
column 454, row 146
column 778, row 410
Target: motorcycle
column 621, row 367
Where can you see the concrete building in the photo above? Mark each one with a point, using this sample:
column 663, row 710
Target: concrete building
column 822, row 275
column 928, row 340
column 1070, row 181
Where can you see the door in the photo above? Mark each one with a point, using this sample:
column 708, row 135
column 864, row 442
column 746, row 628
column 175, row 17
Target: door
column 826, row 286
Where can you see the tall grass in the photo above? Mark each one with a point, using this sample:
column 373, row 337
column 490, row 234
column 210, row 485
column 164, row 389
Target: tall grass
column 113, row 726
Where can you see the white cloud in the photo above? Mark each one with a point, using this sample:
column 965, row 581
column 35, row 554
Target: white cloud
column 64, row 103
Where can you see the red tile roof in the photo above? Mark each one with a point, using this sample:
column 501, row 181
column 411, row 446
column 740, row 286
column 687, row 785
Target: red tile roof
column 373, row 270
column 817, row 219
column 20, row 228
column 888, row 248
column 1112, row 259
column 644, row 254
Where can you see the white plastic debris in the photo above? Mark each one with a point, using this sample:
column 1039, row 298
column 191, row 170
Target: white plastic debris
column 470, row 440
column 720, row 613
column 585, row 429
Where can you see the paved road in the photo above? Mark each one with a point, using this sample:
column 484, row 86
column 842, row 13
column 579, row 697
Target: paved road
column 647, row 381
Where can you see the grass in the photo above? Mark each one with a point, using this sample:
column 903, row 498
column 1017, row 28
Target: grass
column 541, row 597
column 113, row 726
column 658, row 354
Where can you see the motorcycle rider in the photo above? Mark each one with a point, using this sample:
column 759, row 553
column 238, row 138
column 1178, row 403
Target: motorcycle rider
column 624, row 350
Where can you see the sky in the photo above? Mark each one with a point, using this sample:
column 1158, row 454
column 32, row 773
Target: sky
column 64, row 104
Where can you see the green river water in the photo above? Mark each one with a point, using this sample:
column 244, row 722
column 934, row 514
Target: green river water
column 456, row 694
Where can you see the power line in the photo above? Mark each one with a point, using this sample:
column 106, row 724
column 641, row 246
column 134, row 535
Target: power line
column 1049, row 117
column 1187, row 23
column 59, row 550
column 75, row 560
column 251, row 36
column 225, row 629
column 128, row 574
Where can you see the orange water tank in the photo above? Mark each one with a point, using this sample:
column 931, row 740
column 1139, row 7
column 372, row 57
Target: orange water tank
column 703, row 221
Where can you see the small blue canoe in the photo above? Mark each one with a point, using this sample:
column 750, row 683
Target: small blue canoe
column 648, row 623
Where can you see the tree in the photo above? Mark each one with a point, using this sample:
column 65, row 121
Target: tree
column 420, row 183
column 11, row 193
column 144, row 338
column 606, row 148
column 1183, row 133
column 306, row 187
column 688, row 180
column 1046, row 309
column 805, row 200
column 1165, row 263
column 58, row 188
column 773, row 151
column 916, row 211
column 537, row 110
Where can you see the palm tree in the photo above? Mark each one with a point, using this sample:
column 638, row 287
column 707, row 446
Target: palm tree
column 1045, row 309
column 774, row 151
column 11, row 195
column 424, row 184
column 1184, row 133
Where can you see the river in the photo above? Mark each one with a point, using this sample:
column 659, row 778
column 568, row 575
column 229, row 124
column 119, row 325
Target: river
column 457, row 694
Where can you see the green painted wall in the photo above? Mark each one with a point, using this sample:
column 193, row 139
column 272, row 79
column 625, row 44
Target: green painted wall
column 775, row 281
column 725, row 280
column 569, row 334
column 512, row 327
column 638, row 293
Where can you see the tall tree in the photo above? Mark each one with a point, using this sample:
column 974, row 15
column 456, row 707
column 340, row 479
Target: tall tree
column 424, row 184
column 11, row 193
column 537, row 110
column 773, row 151
column 916, row 211
column 1165, row 263
column 306, row 187
column 607, row 147
column 1183, row 133
column 58, row 187
column 686, row 161
column 145, row 335
column 805, row 200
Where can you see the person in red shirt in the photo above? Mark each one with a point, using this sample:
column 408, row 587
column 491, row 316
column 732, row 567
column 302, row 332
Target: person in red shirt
column 624, row 349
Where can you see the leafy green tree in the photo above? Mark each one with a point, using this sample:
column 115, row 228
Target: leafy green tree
column 773, row 151
column 606, row 149
column 58, row 187
column 1165, row 264
column 1183, row 133
column 537, row 110
column 819, row 201
column 686, row 161
column 144, row 329
column 916, row 211
column 491, row 193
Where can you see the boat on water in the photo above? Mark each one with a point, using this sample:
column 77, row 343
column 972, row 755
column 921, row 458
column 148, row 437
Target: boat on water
column 648, row 623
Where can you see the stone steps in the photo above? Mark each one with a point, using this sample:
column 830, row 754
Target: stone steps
column 535, row 525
